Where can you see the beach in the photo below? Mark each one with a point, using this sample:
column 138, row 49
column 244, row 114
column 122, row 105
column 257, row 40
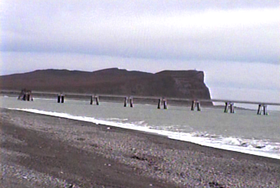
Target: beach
column 45, row 151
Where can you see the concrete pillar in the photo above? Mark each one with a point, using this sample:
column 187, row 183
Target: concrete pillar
column 195, row 104
column 97, row 100
column 159, row 103
column 198, row 106
column 91, row 100
column 58, row 98
column 131, row 102
column 192, row 106
column 164, row 103
column 265, row 110
column 226, row 107
column 62, row 98
column 231, row 106
column 259, row 109
column 125, row 102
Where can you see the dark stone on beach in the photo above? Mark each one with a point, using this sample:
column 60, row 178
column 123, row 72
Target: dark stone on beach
column 139, row 158
column 81, row 139
column 214, row 184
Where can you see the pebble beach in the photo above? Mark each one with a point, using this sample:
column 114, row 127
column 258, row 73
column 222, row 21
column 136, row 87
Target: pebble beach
column 45, row 151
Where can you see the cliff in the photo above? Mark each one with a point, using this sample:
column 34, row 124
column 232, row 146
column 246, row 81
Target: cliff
column 182, row 84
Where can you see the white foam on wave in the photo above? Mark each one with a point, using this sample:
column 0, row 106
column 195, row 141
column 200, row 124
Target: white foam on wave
column 253, row 147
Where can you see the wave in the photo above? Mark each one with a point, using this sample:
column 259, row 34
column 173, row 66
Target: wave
column 263, row 148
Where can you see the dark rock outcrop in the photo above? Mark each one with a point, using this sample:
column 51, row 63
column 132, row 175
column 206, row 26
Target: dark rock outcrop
column 181, row 84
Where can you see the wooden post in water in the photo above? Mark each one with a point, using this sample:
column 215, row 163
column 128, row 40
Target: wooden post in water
column 97, row 100
column 25, row 95
column 159, row 103
column 259, row 109
column 231, row 107
column 164, row 104
column 58, row 98
column 125, row 102
column 262, row 109
column 192, row 106
column 198, row 106
column 28, row 96
column 131, row 102
column 226, row 107
column 195, row 104
column 62, row 98
column 91, row 100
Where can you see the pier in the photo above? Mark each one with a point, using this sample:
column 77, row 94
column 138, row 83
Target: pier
column 161, row 102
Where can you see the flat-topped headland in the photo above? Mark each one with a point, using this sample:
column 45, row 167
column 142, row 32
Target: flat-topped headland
column 114, row 81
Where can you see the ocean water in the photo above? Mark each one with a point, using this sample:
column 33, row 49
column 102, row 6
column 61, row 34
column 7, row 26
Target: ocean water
column 243, row 131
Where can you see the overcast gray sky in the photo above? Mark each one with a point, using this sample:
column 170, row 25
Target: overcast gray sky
column 235, row 42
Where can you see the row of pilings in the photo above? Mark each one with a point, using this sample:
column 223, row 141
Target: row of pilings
column 26, row 95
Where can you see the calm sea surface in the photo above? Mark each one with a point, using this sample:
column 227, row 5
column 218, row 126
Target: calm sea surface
column 244, row 131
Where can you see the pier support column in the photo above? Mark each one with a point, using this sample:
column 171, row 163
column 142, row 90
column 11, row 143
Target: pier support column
column 91, row 100
column 62, row 98
column 262, row 108
column 94, row 98
column 229, row 107
column 159, row 104
column 131, row 102
column 198, row 106
column 125, row 102
column 164, row 104
column 259, row 109
column 195, row 104
column 192, row 106
column 97, row 100
column 58, row 98
column 25, row 95
column 226, row 107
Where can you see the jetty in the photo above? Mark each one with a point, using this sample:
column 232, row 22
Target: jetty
column 161, row 102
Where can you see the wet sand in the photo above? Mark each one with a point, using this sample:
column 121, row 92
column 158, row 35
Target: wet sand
column 43, row 151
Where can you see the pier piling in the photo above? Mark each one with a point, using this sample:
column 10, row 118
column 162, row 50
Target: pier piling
column 195, row 104
column 198, row 106
column 91, row 100
column 97, row 100
column 229, row 107
column 131, row 102
column 62, row 98
column 159, row 103
column 226, row 107
column 58, row 98
column 25, row 95
column 192, row 106
column 125, row 102
column 262, row 108
column 164, row 104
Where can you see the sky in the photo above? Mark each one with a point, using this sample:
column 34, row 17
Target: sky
column 235, row 42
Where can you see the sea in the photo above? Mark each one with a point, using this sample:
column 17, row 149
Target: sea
column 244, row 131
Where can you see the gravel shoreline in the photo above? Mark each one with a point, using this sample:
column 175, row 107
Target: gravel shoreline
column 44, row 151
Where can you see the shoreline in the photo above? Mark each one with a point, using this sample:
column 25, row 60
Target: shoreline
column 157, row 159
column 233, row 148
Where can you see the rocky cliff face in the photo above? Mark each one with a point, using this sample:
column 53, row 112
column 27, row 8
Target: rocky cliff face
column 182, row 84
